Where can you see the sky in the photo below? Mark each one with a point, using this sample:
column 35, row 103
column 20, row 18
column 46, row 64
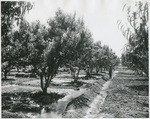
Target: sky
column 100, row 17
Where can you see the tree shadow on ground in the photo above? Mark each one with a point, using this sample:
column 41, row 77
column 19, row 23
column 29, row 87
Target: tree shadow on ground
column 54, row 84
column 139, row 87
column 24, row 75
column 97, row 74
column 74, row 84
column 48, row 98
column 64, row 76
column 145, row 79
column 8, row 79
column 28, row 101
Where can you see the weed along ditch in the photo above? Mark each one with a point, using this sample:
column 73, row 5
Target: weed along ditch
column 27, row 101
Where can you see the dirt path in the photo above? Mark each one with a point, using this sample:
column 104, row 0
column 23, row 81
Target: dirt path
column 95, row 106
column 127, row 96
column 97, row 103
column 124, row 96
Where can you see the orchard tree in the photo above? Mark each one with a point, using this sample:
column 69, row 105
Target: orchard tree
column 77, row 40
column 80, row 58
column 39, row 51
column 11, row 15
column 56, row 45
column 136, row 51
column 103, row 57
column 97, row 56
column 42, row 54
column 106, row 57
column 12, row 12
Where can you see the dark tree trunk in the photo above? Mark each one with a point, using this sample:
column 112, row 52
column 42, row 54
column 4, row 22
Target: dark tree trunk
column 45, row 90
column 101, row 70
column 78, row 72
column 97, row 70
column 88, row 75
column 45, row 77
column 73, row 74
column 110, row 72
column 76, row 75
column 44, row 84
column 5, row 73
column 75, row 79
column 17, row 69
column 41, row 78
column 91, row 69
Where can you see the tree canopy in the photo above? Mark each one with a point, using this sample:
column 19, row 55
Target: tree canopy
column 65, row 41
column 12, row 14
column 136, row 51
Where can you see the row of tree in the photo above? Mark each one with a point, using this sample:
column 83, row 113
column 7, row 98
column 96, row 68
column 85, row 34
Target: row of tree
column 64, row 42
column 136, row 51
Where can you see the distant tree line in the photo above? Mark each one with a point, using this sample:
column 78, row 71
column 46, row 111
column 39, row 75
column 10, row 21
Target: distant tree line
column 64, row 42
column 136, row 51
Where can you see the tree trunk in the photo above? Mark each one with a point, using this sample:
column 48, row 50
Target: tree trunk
column 42, row 86
column 78, row 72
column 88, row 75
column 5, row 75
column 91, row 70
column 110, row 72
column 17, row 68
column 73, row 74
column 45, row 90
column 97, row 70
column 45, row 83
column 101, row 70
column 76, row 75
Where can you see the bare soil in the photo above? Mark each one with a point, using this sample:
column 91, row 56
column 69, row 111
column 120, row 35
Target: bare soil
column 123, row 96
column 21, row 97
column 127, row 96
